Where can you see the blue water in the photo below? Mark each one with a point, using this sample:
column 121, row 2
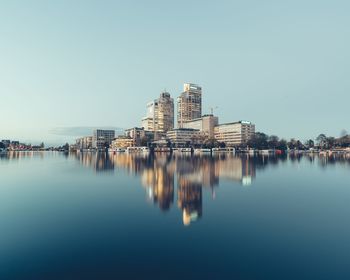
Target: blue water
column 92, row 216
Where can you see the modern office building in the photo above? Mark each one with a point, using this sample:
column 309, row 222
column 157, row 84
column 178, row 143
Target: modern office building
column 160, row 114
column 234, row 134
column 102, row 138
column 165, row 112
column 205, row 124
column 189, row 104
column 182, row 137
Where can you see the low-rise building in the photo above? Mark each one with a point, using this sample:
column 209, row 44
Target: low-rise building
column 140, row 136
column 84, row 143
column 235, row 133
column 102, row 138
column 122, row 142
column 182, row 137
column 205, row 124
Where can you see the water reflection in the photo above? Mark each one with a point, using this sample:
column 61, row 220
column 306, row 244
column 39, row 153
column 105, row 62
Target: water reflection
column 180, row 178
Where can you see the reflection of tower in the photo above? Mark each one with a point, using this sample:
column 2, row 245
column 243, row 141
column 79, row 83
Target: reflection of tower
column 164, row 189
column 159, row 179
column 189, row 200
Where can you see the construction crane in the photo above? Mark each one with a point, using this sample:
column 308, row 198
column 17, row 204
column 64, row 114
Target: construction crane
column 212, row 109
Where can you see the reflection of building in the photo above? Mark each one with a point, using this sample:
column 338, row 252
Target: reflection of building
column 160, row 114
column 194, row 174
column 189, row 200
column 234, row 134
column 189, row 104
column 205, row 124
column 184, row 136
column 160, row 184
column 240, row 169
column 97, row 161
column 102, row 138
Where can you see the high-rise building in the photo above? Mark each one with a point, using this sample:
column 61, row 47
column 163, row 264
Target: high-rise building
column 160, row 114
column 189, row 104
column 165, row 112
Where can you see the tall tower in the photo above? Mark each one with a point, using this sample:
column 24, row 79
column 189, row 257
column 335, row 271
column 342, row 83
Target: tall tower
column 189, row 104
column 160, row 114
column 165, row 112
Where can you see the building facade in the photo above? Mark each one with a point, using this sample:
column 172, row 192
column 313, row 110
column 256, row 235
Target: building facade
column 140, row 136
column 84, row 143
column 205, row 124
column 123, row 142
column 184, row 137
column 234, row 134
column 189, row 104
column 160, row 114
column 102, row 138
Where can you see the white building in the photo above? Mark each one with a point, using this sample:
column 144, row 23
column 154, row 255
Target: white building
column 234, row 134
column 205, row 124
column 181, row 137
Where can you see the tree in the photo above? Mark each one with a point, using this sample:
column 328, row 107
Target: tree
column 330, row 142
column 272, row 142
column 259, row 141
column 42, row 145
column 343, row 133
column 282, row 145
column 322, row 140
column 2, row 146
column 310, row 143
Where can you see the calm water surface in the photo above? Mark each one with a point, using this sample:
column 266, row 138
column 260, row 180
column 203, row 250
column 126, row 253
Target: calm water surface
column 94, row 216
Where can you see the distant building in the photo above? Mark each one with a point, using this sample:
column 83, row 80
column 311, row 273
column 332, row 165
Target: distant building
column 160, row 114
column 205, row 124
column 102, row 138
column 84, row 143
column 123, row 142
column 234, row 134
column 189, row 104
column 139, row 135
column 182, row 137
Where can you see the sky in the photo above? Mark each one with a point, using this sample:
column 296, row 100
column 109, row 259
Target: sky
column 70, row 66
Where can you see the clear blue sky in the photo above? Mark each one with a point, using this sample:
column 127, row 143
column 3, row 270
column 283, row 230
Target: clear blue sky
column 283, row 65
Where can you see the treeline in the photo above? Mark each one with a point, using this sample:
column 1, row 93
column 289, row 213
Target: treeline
column 263, row 141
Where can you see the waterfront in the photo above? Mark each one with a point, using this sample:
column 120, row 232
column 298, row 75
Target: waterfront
column 99, row 216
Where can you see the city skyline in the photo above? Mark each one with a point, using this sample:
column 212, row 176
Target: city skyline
column 290, row 78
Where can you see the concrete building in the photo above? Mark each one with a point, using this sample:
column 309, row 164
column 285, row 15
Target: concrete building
column 189, row 104
column 205, row 124
column 102, row 138
column 139, row 135
column 182, row 137
column 160, row 114
column 165, row 112
column 234, row 134
column 84, row 143
column 123, row 142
